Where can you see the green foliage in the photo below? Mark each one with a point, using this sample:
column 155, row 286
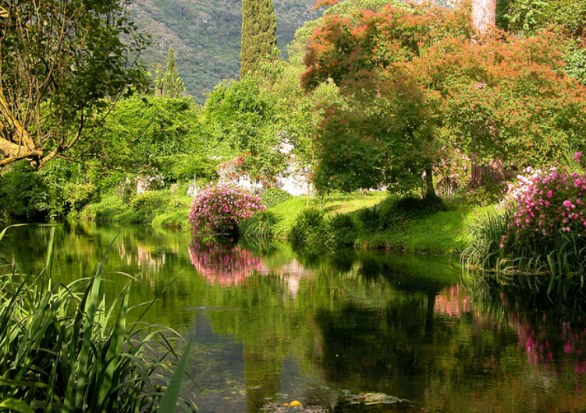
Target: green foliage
column 141, row 131
column 259, row 34
column 145, row 205
column 241, row 116
column 369, row 218
column 260, row 225
column 22, row 193
column 65, row 349
column 531, row 15
column 392, row 212
column 341, row 231
column 576, row 58
column 58, row 190
column 274, row 196
column 161, row 208
column 168, row 83
column 107, row 210
column 184, row 167
column 57, row 76
column 485, row 251
column 308, row 228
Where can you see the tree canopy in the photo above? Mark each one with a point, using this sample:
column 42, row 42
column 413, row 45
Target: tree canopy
column 60, row 63
column 417, row 84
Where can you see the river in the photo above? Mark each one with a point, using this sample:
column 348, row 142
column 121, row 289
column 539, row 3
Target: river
column 346, row 332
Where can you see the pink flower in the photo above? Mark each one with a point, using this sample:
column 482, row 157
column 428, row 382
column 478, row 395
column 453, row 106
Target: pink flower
column 578, row 157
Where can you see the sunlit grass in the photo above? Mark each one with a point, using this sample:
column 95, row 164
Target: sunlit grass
column 288, row 211
column 440, row 232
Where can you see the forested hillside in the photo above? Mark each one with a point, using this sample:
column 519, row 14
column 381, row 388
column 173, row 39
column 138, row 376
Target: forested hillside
column 206, row 35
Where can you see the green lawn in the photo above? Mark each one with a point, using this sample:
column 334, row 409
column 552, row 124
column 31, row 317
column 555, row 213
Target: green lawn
column 288, row 211
column 443, row 232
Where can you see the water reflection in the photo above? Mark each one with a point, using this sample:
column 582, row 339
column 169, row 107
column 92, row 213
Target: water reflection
column 224, row 263
column 550, row 325
column 335, row 332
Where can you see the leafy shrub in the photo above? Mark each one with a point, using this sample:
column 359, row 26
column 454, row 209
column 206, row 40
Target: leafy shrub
column 413, row 207
column 78, row 195
column 309, row 228
column 369, row 218
column 274, row 196
column 103, row 211
column 183, row 167
column 341, row 231
column 147, row 204
column 220, row 209
column 23, row 194
column 260, row 225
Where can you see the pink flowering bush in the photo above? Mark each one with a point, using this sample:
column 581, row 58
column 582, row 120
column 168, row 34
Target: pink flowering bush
column 542, row 229
column 219, row 209
column 545, row 203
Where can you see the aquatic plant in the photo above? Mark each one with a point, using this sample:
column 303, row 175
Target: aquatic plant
column 63, row 349
column 219, row 209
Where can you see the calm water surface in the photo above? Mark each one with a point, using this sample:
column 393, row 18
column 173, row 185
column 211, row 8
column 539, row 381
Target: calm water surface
column 340, row 333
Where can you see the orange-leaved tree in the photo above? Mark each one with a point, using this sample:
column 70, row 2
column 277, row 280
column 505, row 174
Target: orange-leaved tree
column 419, row 83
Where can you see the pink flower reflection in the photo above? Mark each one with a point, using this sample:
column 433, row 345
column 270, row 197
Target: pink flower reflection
column 452, row 302
column 223, row 265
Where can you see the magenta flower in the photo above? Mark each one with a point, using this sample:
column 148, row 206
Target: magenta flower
column 218, row 209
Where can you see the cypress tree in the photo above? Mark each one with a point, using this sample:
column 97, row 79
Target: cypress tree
column 259, row 34
column 169, row 83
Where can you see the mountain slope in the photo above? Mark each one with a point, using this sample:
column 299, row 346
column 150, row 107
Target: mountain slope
column 206, row 35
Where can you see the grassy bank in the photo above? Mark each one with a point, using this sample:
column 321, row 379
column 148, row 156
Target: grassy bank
column 388, row 222
column 162, row 209
column 379, row 221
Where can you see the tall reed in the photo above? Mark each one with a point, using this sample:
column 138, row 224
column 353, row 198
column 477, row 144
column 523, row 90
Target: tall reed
column 64, row 349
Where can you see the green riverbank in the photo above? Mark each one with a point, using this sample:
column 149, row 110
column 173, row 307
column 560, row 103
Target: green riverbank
column 446, row 231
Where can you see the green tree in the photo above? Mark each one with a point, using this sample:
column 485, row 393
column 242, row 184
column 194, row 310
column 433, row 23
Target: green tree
column 61, row 63
column 142, row 132
column 527, row 17
column 242, row 116
column 169, row 83
column 259, row 34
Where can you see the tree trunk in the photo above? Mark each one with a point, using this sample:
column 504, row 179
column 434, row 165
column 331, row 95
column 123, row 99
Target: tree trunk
column 429, row 189
column 483, row 175
column 484, row 18
column 483, row 14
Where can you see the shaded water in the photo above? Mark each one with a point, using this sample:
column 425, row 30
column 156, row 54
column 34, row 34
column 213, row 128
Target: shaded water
column 349, row 332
